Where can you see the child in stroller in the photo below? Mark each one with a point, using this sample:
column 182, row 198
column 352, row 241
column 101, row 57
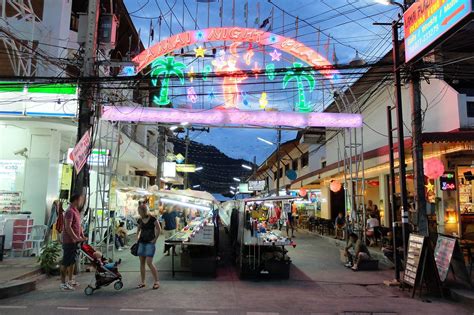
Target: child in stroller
column 105, row 272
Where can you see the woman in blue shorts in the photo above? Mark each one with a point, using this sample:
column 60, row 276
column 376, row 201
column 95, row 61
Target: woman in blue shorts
column 148, row 231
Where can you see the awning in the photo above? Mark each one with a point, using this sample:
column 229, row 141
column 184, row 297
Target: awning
column 452, row 136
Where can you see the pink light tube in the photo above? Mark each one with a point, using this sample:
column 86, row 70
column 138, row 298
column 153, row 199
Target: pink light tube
column 221, row 118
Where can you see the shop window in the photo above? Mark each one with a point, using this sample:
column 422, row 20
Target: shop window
column 304, row 159
column 275, row 174
column 294, row 165
column 282, row 171
column 323, row 164
column 470, row 109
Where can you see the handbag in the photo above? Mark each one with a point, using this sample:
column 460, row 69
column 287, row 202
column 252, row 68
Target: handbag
column 134, row 249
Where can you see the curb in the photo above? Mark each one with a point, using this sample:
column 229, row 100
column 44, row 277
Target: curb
column 16, row 287
column 20, row 285
column 341, row 244
column 462, row 295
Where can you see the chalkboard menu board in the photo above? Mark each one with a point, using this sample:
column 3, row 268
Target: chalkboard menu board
column 415, row 247
column 443, row 253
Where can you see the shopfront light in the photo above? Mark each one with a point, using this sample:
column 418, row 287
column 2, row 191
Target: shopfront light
column 184, row 204
column 233, row 188
column 236, row 179
column 199, row 168
column 246, row 167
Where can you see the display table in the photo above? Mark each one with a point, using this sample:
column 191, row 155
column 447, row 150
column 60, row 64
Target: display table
column 198, row 234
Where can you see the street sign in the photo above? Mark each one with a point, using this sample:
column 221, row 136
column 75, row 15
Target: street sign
column 256, row 185
column 448, row 181
column 81, row 151
column 426, row 23
column 169, row 169
column 186, row 168
column 97, row 157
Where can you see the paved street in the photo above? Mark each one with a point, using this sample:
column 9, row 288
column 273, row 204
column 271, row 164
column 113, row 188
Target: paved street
column 319, row 284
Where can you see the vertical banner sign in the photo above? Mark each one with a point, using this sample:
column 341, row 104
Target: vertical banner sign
column 66, row 177
column 425, row 22
column 81, row 151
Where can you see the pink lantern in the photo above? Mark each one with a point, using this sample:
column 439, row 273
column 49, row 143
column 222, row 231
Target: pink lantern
column 433, row 167
column 335, row 186
column 303, row 192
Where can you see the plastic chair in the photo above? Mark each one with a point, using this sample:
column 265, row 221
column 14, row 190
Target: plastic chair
column 37, row 237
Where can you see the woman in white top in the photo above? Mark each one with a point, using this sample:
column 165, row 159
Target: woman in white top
column 370, row 232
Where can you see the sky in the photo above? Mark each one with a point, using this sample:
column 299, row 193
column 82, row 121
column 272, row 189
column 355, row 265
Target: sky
column 337, row 29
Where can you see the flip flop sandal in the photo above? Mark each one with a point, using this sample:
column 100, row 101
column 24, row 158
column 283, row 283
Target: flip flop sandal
column 156, row 286
column 140, row 286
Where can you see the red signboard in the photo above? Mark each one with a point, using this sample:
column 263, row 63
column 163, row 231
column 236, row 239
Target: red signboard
column 81, row 151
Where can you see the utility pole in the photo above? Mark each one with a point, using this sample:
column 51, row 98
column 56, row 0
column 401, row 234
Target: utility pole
column 186, row 140
column 392, row 192
column 160, row 154
column 278, row 162
column 417, row 152
column 86, row 89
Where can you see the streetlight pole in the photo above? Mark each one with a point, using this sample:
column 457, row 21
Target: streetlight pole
column 401, row 134
column 278, row 162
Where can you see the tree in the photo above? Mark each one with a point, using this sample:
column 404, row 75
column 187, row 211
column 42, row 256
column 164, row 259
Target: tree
column 165, row 67
column 299, row 74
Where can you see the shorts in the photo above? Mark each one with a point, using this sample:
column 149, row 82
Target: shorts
column 70, row 253
column 146, row 249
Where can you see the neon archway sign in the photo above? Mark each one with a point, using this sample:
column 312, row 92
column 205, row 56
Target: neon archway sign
column 235, row 34
column 231, row 117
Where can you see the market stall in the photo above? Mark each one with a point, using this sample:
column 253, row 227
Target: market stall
column 261, row 241
column 198, row 215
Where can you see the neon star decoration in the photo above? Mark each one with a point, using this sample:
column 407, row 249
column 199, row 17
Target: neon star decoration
column 275, row 55
column 200, row 52
column 263, row 100
column 300, row 75
column 429, row 187
column 165, row 67
column 192, row 97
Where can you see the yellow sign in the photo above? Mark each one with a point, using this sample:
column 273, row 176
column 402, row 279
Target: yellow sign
column 186, row 168
column 66, row 177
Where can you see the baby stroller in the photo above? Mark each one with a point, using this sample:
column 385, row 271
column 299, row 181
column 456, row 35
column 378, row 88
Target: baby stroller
column 105, row 273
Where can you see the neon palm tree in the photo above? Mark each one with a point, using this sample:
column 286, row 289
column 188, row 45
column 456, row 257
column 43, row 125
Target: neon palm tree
column 299, row 74
column 165, row 67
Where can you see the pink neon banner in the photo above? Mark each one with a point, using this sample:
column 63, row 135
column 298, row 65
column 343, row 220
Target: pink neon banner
column 214, row 117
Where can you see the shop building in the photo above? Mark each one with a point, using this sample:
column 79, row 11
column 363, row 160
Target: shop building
column 38, row 121
column 448, row 136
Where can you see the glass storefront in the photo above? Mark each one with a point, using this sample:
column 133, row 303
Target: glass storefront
column 465, row 200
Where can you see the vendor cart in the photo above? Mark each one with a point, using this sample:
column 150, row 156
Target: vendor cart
column 261, row 243
column 197, row 236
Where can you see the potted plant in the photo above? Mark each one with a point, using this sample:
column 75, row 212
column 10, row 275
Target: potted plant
column 49, row 258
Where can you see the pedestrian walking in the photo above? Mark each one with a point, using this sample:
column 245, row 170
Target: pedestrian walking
column 148, row 232
column 170, row 221
column 72, row 235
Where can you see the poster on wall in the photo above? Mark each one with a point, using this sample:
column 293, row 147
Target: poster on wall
column 10, row 172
